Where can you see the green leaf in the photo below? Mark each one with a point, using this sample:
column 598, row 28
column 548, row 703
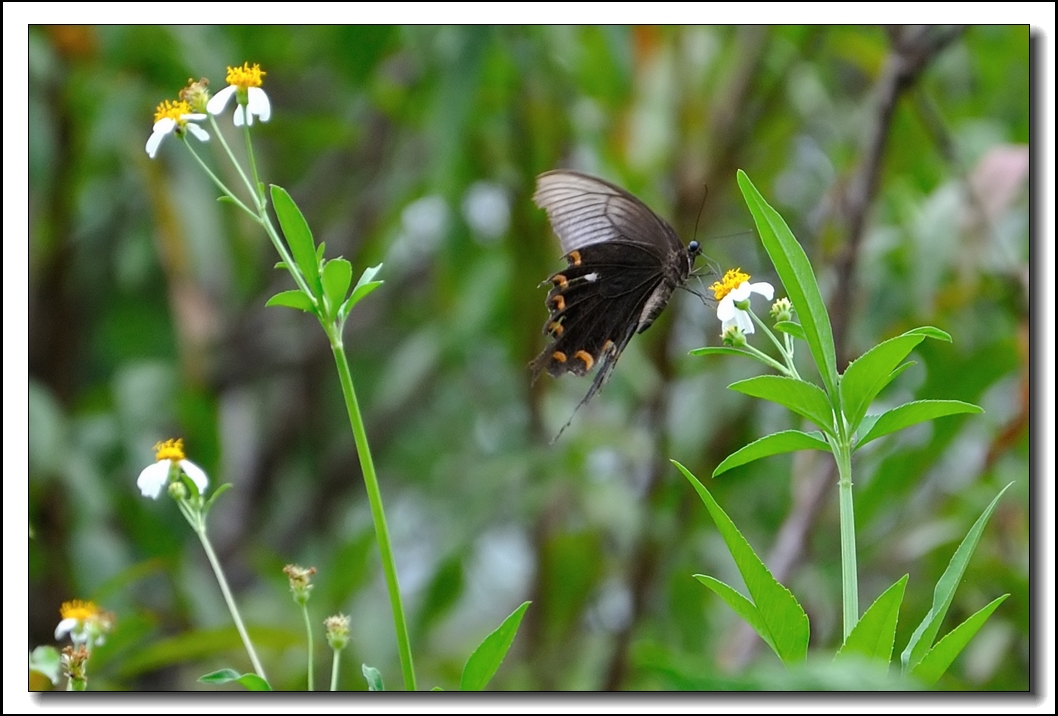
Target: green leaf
column 930, row 332
column 251, row 682
column 795, row 272
column 805, row 399
column 718, row 350
column 213, row 498
column 337, row 275
column 299, row 237
column 740, row 605
column 944, row 592
column 487, row 658
column 867, row 375
column 364, row 286
column 900, row 369
column 47, row 661
column 875, row 632
column 782, row 623
column 291, row 299
column 794, row 329
column 774, row 444
column 940, row 657
column 909, row 414
column 374, row 678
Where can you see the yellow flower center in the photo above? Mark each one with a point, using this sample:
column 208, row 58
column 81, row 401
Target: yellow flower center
column 170, row 450
column 172, row 110
column 731, row 280
column 245, row 76
column 79, row 610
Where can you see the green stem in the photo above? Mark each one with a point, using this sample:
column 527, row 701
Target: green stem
column 374, row 497
column 849, row 583
column 220, row 185
column 235, row 163
column 334, row 668
column 308, row 632
column 200, row 529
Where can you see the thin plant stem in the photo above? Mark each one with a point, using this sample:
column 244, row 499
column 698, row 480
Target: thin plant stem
column 308, row 632
column 200, row 530
column 334, row 668
column 378, row 515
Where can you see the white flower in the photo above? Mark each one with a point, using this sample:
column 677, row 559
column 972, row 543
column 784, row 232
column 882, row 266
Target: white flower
column 735, row 288
column 245, row 83
column 154, row 477
column 174, row 116
column 84, row 622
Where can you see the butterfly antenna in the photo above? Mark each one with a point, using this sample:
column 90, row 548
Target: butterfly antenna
column 701, row 208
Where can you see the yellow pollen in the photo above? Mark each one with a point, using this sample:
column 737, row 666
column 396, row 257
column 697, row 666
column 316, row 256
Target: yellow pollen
column 731, row 280
column 172, row 110
column 170, row 450
column 245, row 76
column 79, row 610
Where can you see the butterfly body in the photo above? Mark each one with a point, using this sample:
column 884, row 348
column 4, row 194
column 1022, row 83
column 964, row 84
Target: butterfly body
column 623, row 264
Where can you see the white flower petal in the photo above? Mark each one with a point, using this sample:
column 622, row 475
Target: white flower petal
column 219, row 101
column 153, row 478
column 763, row 289
column 196, row 116
column 726, row 310
column 257, row 103
column 162, row 127
column 65, row 627
column 240, row 116
column 153, row 142
column 197, row 475
column 197, row 131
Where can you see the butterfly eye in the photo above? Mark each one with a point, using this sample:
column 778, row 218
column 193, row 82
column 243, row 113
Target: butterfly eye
column 694, row 248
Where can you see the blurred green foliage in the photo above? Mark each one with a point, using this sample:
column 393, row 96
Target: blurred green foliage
column 417, row 147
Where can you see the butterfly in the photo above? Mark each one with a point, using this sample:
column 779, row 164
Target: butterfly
column 623, row 263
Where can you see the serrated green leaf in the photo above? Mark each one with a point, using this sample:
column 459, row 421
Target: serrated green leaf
column 740, row 605
column 782, row 617
column 291, row 299
column 794, row 270
column 930, row 332
column 794, row 329
column 486, row 659
column 912, row 413
column 774, row 444
column 374, row 678
column 922, row 640
column 875, row 632
column 941, row 656
column 298, row 235
column 900, row 369
column 805, row 399
column 718, row 350
column 337, row 275
column 867, row 375
column 250, row 682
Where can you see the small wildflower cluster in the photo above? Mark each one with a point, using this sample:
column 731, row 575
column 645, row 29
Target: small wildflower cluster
column 195, row 104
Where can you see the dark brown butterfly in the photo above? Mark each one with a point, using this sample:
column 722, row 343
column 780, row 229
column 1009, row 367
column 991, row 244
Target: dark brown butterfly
column 623, row 263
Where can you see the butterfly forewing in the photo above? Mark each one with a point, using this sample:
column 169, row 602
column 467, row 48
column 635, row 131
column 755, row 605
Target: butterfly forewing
column 584, row 210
